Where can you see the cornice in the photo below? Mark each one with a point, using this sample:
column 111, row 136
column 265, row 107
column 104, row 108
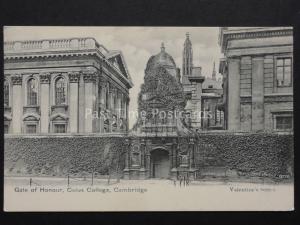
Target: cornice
column 227, row 35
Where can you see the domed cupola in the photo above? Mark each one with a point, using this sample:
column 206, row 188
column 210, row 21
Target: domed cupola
column 162, row 59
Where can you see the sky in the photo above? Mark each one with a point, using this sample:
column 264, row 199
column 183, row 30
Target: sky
column 137, row 45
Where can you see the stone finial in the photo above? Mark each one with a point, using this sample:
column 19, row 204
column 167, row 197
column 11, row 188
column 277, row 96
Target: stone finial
column 187, row 34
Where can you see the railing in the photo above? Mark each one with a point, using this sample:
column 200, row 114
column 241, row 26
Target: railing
column 50, row 45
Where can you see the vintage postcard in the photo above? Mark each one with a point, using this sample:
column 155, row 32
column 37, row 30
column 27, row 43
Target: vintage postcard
column 148, row 119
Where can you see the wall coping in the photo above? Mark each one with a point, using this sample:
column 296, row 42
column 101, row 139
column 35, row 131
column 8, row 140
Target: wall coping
column 124, row 135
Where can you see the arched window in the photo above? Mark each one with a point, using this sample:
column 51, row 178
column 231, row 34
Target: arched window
column 32, row 92
column 6, row 93
column 60, row 91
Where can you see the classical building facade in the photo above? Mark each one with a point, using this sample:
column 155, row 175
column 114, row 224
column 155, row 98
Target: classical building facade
column 258, row 78
column 64, row 86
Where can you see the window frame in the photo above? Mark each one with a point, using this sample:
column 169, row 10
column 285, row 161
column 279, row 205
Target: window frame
column 28, row 92
column 65, row 90
column 7, row 123
column 276, row 58
column 59, row 124
column 282, row 114
column 8, row 94
column 31, row 124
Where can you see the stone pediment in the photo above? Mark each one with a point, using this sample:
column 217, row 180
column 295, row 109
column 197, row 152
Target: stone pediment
column 31, row 117
column 59, row 117
column 116, row 58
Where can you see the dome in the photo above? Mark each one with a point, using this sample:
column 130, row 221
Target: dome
column 162, row 59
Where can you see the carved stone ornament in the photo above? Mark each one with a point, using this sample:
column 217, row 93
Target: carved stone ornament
column 16, row 80
column 45, row 78
column 89, row 77
column 74, row 77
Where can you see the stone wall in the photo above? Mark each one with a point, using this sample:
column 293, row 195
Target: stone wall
column 216, row 153
column 61, row 155
column 254, row 154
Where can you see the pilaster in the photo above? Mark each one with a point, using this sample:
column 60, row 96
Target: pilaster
column 234, row 113
column 45, row 101
column 89, row 96
column 127, row 159
column 257, row 93
column 17, row 104
column 74, row 101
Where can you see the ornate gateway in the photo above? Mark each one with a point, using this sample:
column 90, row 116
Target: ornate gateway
column 160, row 145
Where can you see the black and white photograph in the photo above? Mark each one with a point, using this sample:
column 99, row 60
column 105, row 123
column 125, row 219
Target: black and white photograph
column 148, row 118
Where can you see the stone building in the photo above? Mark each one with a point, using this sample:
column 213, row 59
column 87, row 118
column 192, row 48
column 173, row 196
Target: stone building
column 192, row 80
column 258, row 77
column 212, row 98
column 160, row 145
column 203, row 93
column 163, row 142
column 70, row 85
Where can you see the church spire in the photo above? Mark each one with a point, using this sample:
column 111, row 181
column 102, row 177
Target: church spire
column 187, row 64
column 214, row 72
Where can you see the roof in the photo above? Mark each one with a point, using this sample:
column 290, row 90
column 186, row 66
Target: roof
column 211, row 84
column 116, row 53
column 162, row 58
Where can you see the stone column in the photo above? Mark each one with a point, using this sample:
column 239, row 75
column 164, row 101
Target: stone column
column 73, row 105
column 174, row 148
column 112, row 102
column 127, row 160
column 45, row 97
column 119, row 104
column 147, row 157
column 102, row 104
column 143, row 170
column 81, row 105
column 257, row 93
column 122, row 106
column 127, row 110
column 191, row 159
column 174, row 159
column 17, row 106
column 234, row 113
column 89, row 93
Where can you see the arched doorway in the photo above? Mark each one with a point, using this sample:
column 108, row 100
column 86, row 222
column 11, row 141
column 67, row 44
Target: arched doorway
column 160, row 164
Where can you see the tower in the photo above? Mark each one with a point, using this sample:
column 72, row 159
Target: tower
column 214, row 72
column 187, row 64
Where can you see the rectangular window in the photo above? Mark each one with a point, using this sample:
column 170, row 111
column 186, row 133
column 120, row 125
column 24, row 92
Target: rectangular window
column 6, row 129
column 59, row 128
column 284, row 122
column 284, row 72
column 30, row 128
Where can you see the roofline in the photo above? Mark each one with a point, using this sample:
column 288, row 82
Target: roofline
column 227, row 33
